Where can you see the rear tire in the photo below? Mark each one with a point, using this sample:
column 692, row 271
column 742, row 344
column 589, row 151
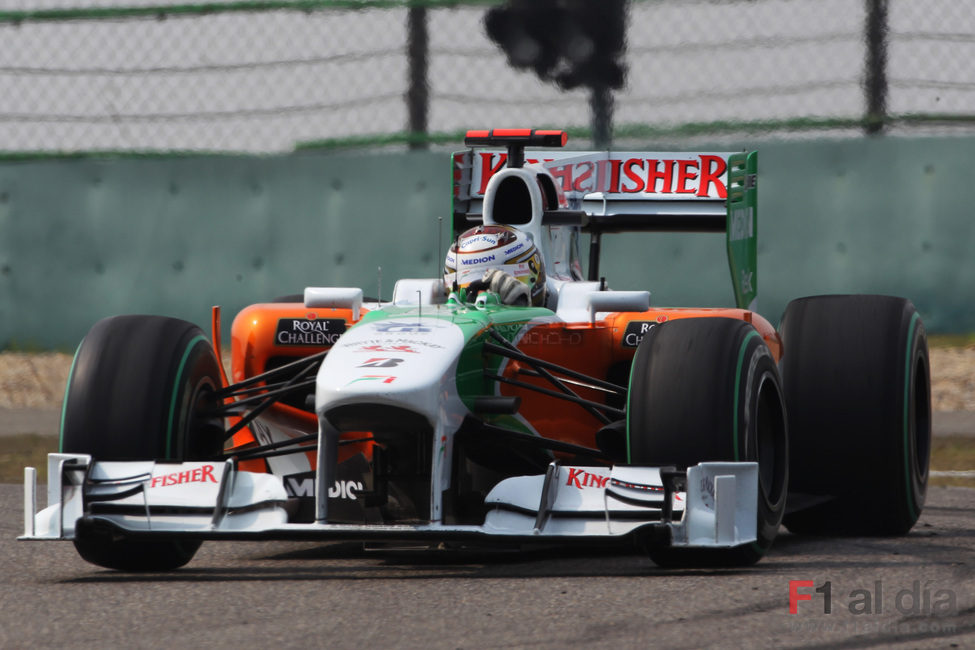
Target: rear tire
column 708, row 389
column 856, row 376
column 138, row 390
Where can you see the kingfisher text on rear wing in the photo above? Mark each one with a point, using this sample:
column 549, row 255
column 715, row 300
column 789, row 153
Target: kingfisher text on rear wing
column 620, row 174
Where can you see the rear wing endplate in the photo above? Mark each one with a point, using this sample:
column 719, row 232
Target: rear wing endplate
column 742, row 227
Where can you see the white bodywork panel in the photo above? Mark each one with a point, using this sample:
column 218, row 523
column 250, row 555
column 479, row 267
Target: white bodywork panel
column 583, row 301
column 419, row 291
column 335, row 297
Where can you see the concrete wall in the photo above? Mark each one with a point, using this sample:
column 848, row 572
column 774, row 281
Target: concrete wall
column 85, row 238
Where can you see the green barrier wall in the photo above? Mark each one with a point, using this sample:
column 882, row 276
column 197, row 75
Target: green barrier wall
column 889, row 216
column 85, row 238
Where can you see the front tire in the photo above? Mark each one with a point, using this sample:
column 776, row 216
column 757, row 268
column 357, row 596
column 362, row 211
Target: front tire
column 140, row 388
column 708, row 389
column 856, row 375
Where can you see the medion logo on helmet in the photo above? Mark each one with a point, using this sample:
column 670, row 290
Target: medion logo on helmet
column 478, row 260
column 306, row 331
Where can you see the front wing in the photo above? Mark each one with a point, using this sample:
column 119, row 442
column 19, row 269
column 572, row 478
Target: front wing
column 712, row 505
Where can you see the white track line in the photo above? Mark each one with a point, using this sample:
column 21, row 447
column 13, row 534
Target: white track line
column 967, row 473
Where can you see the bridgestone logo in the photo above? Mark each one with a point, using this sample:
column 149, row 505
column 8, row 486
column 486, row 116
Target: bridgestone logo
column 308, row 331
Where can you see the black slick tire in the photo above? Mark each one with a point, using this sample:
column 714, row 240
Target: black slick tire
column 139, row 389
column 856, row 375
column 708, row 389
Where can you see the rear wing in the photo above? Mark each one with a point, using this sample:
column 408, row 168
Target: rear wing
column 622, row 191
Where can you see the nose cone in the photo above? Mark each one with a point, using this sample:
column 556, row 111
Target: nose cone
column 406, row 360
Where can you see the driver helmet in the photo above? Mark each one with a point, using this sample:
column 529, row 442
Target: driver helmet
column 508, row 249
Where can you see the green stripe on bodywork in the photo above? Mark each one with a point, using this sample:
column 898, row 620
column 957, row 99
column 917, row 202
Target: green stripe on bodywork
column 510, row 323
column 734, row 406
column 466, row 316
column 64, row 405
column 172, row 401
column 907, row 425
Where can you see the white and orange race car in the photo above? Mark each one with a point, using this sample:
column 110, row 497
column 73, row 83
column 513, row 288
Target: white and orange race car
column 446, row 416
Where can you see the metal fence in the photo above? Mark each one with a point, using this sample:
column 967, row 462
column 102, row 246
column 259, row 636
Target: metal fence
column 269, row 75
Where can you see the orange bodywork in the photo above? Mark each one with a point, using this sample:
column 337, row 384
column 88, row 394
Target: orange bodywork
column 595, row 350
column 254, row 349
column 602, row 350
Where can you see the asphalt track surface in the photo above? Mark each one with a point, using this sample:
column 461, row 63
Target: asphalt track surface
column 300, row 595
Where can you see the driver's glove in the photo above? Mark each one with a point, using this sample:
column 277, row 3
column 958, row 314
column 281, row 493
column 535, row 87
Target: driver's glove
column 509, row 289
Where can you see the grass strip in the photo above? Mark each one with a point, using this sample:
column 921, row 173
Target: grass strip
column 25, row 450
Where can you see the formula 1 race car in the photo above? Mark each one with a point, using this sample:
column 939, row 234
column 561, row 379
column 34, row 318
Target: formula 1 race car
column 582, row 415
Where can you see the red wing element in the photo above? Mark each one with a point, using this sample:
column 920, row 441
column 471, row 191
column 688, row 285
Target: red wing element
column 522, row 137
column 516, row 140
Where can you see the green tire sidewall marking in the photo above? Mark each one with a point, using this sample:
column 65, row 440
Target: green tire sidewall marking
column 629, row 399
column 758, row 548
column 734, row 418
column 741, row 360
column 908, row 483
column 172, row 402
column 734, row 405
column 64, row 404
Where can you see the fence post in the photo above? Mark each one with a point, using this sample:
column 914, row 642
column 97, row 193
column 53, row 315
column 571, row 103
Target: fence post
column 601, row 106
column 875, row 77
column 417, row 97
